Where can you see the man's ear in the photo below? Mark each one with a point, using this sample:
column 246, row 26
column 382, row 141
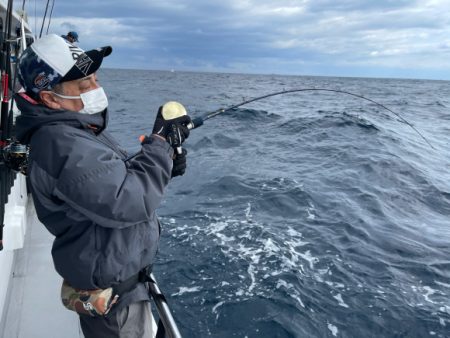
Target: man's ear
column 50, row 100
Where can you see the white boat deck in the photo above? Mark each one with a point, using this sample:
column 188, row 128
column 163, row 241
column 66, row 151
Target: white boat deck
column 34, row 308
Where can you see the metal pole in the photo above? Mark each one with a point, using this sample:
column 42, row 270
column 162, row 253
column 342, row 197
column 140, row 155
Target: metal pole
column 163, row 309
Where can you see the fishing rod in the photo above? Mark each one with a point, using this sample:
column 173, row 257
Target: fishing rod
column 6, row 83
column 43, row 20
column 6, row 72
column 198, row 121
column 50, row 17
column 17, row 46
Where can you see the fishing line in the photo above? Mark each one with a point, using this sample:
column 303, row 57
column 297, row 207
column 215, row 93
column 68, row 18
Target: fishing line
column 198, row 121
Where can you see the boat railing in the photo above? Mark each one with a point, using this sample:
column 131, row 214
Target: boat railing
column 167, row 327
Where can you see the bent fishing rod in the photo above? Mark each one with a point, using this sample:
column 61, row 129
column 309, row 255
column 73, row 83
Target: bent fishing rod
column 175, row 109
column 198, row 121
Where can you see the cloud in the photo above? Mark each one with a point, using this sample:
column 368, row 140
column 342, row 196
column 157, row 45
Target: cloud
column 95, row 32
column 287, row 36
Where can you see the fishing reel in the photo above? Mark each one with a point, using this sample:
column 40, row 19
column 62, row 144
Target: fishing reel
column 15, row 156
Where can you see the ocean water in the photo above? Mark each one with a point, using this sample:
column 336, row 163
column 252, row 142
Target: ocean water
column 303, row 215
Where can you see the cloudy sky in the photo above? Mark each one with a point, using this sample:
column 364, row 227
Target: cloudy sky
column 368, row 38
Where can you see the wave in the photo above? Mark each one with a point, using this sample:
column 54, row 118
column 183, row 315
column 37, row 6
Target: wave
column 246, row 114
column 328, row 121
column 311, row 215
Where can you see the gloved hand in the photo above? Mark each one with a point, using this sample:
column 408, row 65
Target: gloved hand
column 175, row 131
column 179, row 164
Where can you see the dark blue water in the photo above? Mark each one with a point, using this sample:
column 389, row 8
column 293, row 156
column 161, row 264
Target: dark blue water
column 303, row 215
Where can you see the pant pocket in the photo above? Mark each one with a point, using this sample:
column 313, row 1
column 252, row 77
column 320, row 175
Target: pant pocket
column 122, row 316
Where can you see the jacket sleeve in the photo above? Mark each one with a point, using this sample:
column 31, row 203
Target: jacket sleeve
column 96, row 182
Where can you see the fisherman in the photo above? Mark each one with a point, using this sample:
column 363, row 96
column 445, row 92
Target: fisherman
column 99, row 204
column 71, row 37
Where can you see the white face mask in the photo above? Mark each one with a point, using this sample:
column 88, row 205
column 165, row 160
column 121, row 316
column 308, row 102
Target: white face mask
column 94, row 101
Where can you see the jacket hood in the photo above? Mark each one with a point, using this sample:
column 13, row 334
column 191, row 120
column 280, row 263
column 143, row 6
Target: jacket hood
column 34, row 116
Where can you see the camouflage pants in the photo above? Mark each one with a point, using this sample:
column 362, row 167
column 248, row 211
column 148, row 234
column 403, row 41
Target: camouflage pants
column 133, row 321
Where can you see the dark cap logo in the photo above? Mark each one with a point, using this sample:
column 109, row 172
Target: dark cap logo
column 84, row 63
column 41, row 81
